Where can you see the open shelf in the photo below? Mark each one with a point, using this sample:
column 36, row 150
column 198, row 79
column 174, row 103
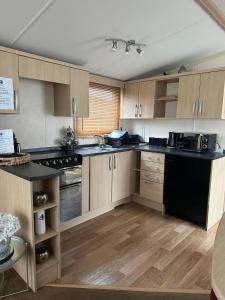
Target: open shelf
column 47, row 235
column 52, row 260
column 166, row 99
column 46, row 206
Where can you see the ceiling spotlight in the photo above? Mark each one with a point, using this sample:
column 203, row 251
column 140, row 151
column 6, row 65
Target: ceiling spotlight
column 127, row 49
column 114, row 45
column 139, row 50
column 127, row 44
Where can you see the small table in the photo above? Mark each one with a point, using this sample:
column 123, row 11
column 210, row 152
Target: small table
column 20, row 247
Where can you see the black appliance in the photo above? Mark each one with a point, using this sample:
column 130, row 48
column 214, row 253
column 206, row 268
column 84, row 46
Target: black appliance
column 117, row 138
column 174, row 139
column 132, row 139
column 198, row 142
column 186, row 188
column 162, row 142
column 70, row 181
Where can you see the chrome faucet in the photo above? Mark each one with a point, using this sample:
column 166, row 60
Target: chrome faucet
column 101, row 140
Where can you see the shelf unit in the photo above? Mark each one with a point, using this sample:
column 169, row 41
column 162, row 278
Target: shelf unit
column 51, row 269
column 166, row 98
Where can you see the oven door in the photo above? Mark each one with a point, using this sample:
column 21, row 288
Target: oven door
column 70, row 176
column 70, row 202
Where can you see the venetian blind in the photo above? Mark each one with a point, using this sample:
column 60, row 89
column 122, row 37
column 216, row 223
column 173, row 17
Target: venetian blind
column 104, row 111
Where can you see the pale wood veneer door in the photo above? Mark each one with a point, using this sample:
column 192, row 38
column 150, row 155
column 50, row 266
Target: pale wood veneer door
column 130, row 101
column 122, row 175
column 79, row 90
column 146, row 99
column 211, row 100
column 188, row 96
column 100, row 181
column 9, row 67
column 42, row 70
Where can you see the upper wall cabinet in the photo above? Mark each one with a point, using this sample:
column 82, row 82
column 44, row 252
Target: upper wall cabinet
column 212, row 95
column 202, row 96
column 43, row 70
column 188, row 96
column 138, row 100
column 9, row 68
column 73, row 99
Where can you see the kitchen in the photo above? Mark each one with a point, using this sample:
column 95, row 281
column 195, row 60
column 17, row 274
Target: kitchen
column 137, row 177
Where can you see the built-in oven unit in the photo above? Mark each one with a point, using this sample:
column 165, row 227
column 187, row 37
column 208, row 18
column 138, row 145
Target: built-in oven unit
column 70, row 183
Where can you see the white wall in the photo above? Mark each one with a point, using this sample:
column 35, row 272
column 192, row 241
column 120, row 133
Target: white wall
column 36, row 125
column 160, row 128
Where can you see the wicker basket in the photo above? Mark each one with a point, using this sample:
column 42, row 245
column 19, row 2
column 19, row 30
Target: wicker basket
column 14, row 159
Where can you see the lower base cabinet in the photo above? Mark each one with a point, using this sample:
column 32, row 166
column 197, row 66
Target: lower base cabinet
column 110, row 178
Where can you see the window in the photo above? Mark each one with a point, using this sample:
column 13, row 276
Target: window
column 104, row 111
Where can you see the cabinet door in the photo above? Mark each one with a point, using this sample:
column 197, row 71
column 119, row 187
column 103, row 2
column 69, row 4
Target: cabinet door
column 79, row 81
column 122, row 175
column 212, row 95
column 188, row 96
column 42, row 70
column 100, row 181
column 146, row 99
column 9, row 68
column 130, row 101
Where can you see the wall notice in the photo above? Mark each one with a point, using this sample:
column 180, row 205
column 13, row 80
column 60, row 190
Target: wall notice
column 6, row 93
column 6, row 141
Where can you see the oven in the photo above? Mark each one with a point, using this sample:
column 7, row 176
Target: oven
column 70, row 193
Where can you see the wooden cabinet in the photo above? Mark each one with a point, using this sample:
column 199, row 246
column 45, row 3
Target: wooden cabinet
column 122, row 175
column 146, row 99
column 73, row 99
column 79, row 85
column 152, row 176
column 100, row 181
column 130, row 101
column 212, row 95
column 42, row 70
column 188, row 96
column 138, row 100
column 202, row 96
column 9, row 68
column 110, row 178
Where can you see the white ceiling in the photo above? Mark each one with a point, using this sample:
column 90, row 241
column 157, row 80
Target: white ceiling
column 74, row 31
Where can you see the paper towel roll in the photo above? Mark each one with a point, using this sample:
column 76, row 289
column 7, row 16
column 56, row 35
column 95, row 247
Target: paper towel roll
column 40, row 224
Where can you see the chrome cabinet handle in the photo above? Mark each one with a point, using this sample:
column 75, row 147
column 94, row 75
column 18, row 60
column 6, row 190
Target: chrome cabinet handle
column 74, row 105
column 16, row 102
column 140, row 110
column 200, row 107
column 193, row 109
column 110, row 163
column 136, row 111
column 114, row 161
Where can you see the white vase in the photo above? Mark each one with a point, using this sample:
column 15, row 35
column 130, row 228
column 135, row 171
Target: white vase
column 40, row 224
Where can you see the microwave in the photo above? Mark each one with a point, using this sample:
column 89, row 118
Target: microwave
column 198, row 142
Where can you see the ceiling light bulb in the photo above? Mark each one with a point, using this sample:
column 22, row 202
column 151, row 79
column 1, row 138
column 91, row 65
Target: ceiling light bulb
column 127, row 50
column 114, row 45
column 139, row 50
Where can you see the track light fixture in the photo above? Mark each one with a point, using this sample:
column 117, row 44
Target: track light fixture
column 127, row 44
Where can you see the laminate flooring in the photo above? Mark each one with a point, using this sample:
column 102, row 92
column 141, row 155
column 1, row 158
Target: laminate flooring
column 138, row 247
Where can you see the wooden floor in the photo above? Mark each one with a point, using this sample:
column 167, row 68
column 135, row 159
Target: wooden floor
column 137, row 246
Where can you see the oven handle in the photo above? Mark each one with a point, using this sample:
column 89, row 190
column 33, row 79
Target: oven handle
column 63, row 187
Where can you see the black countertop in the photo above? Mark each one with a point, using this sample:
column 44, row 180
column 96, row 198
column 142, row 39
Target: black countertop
column 32, row 171
column 165, row 150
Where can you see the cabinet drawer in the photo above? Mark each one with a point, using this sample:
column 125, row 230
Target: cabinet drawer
column 151, row 190
column 153, row 157
column 152, row 176
column 152, row 167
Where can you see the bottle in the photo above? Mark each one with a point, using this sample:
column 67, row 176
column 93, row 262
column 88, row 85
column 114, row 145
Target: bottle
column 17, row 146
column 40, row 224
